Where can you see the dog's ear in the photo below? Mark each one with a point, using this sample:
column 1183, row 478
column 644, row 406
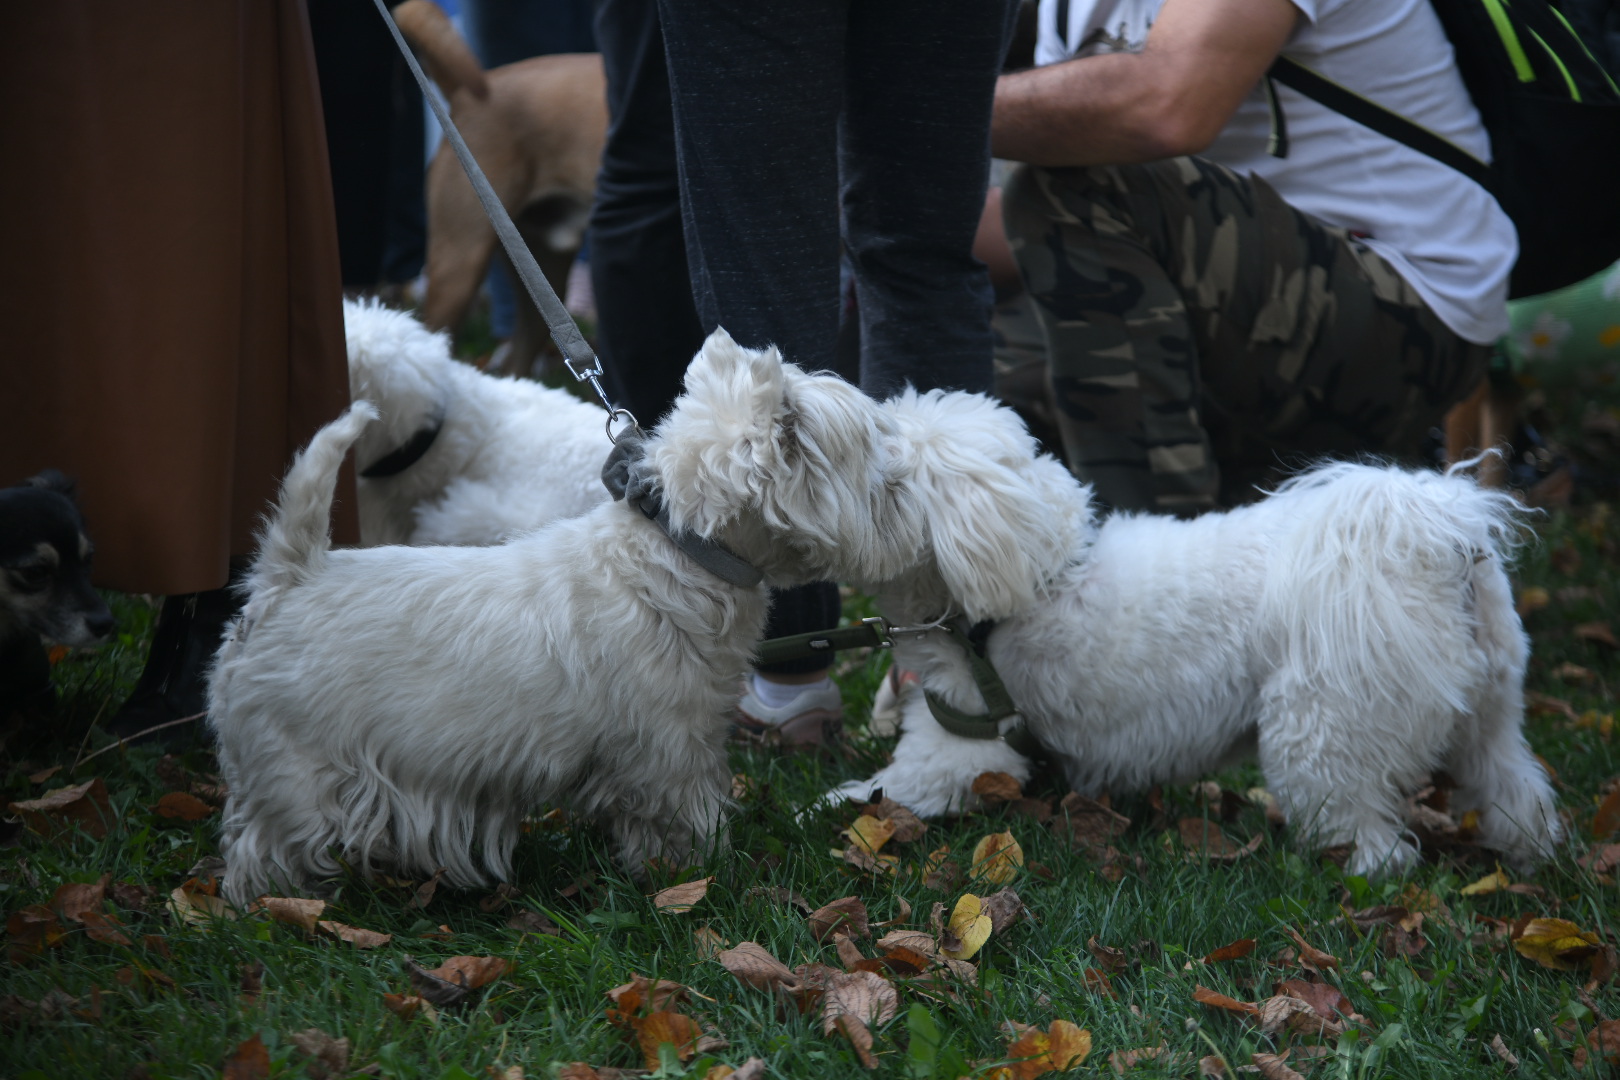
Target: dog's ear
column 1002, row 521
column 714, row 448
column 53, row 480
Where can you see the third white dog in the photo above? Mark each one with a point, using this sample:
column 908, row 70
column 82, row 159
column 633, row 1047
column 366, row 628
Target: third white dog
column 471, row 458
column 1355, row 629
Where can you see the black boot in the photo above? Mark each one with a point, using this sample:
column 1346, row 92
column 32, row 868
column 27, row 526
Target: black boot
column 174, row 683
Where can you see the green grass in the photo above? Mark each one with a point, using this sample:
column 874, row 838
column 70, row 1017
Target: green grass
column 1431, row 1015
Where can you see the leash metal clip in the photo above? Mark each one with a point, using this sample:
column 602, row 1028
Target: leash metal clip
column 880, row 630
column 593, row 375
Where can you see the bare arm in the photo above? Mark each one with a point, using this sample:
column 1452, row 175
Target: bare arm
column 1201, row 58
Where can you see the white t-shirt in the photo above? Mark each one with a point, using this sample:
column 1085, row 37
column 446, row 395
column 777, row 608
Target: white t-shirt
column 1445, row 234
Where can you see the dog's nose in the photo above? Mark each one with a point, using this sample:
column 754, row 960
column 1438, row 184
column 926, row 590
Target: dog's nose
column 100, row 623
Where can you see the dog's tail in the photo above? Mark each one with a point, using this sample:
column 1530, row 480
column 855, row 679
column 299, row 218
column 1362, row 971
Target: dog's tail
column 1363, row 569
column 297, row 536
column 449, row 61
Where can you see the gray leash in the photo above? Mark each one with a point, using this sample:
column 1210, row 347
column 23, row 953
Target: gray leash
column 577, row 354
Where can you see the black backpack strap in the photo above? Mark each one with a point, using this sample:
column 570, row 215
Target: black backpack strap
column 1370, row 114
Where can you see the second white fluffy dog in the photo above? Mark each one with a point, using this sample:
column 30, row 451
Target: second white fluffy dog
column 405, row 707
column 1355, row 630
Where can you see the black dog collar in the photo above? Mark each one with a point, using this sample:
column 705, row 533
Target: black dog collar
column 397, row 461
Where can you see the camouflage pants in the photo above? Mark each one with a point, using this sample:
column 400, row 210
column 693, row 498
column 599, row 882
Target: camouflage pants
column 1204, row 336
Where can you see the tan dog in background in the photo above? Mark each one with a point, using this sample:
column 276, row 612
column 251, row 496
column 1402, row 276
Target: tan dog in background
column 536, row 128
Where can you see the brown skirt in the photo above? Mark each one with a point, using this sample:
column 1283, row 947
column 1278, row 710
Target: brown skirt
column 170, row 301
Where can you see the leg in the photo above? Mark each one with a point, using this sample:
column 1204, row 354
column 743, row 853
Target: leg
column 914, row 158
column 648, row 327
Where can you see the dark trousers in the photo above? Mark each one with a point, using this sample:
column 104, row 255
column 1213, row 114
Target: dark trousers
column 806, row 130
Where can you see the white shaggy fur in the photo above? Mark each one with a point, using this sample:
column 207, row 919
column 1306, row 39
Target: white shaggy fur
column 403, row 708
column 512, row 455
column 1355, row 629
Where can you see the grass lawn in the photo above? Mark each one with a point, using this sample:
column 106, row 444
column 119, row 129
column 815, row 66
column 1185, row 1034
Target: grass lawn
column 1114, row 945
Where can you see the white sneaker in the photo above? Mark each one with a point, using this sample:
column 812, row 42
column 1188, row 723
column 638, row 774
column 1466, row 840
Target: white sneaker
column 814, row 718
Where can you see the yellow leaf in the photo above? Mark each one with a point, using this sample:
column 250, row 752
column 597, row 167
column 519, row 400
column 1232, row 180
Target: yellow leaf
column 996, row 859
column 1488, row 884
column 1070, row 1045
column 869, row 833
column 1556, row 943
column 970, row 925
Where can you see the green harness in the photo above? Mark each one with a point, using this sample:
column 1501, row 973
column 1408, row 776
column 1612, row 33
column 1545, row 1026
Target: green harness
column 877, row 633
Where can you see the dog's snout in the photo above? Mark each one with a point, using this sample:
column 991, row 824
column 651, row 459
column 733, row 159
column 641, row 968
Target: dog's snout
column 98, row 624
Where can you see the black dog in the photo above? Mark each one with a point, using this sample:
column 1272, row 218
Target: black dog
column 45, row 586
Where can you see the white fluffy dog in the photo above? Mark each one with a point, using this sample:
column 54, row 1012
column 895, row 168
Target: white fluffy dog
column 1355, row 629
column 510, row 455
column 405, row 707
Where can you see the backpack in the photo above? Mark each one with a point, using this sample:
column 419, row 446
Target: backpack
column 1553, row 116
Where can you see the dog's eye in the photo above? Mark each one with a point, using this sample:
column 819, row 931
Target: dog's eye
column 32, row 578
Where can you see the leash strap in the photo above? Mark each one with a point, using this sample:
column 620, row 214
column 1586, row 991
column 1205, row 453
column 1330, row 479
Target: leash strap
column 870, row 633
column 997, row 701
column 578, row 355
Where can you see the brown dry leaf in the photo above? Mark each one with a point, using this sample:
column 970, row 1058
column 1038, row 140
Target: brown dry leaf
column 1278, row 1012
column 996, row 859
column 44, row 774
column 1274, row 1067
column 657, row 1028
column 73, row 900
column 1108, row 958
column 250, row 981
column 1121, row 1061
column 1086, row 823
column 908, row 827
column 132, row 896
column 452, row 982
column 32, row 930
column 578, row 1070
column 1062, row 1047
column 408, row 1006
column 1602, row 859
column 753, row 964
column 1598, row 633
column 249, row 1061
column 1606, row 822
column 861, row 859
column 1547, row 705
column 680, row 898
column 423, row 895
column 1003, row 909
column 869, row 833
column 1555, row 943
column 295, row 911
column 1205, row 996
column 846, row 915
column 103, row 928
column 995, row 788
column 354, row 935
column 709, row 944
column 780, row 896
column 859, row 1036
column 85, row 805
column 504, row 894
column 1097, row 982
column 631, row 996
column 532, row 922
column 1500, row 1049
column 1235, row 951
column 331, row 1055
column 1605, row 965
column 1326, row 1000
column 849, row 954
column 1604, row 1041
column 1310, row 957
column 1492, row 882
column 181, row 806
column 868, row 997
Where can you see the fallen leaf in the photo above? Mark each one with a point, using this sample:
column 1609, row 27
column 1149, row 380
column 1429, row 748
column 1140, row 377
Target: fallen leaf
column 859, row 1036
column 753, row 964
column 533, row 922
column 709, row 944
column 331, row 1055
column 1604, row 1041
column 1235, row 951
column 1277, row 1012
column 73, row 900
column 249, row 1061
column 970, row 926
column 1003, row 908
column 250, row 981
column 354, row 935
column 408, row 1006
column 1598, row 633
column 658, row 995
column 657, row 1028
column 44, row 774
column 995, row 788
column 679, row 898
column 908, row 827
column 1606, row 822
column 780, row 896
column 1274, row 1067
column 1532, row 599
column 996, row 859
column 504, row 894
column 1108, row 958
column 1312, row 958
column 295, row 911
column 867, row 997
column 1490, row 883
column 103, row 928
column 181, row 806
column 1097, row 982
column 1500, row 1049
column 1547, row 705
column 1086, row 823
column 846, row 915
column 452, row 982
column 1205, row 996
column 423, row 896
column 132, row 896
column 1325, row 1000
column 85, row 805
column 1061, row 1047
column 1122, row 1061
column 1213, row 1065
column 869, row 833
column 1573, row 673
column 860, row 858
column 32, row 930
column 1555, row 943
